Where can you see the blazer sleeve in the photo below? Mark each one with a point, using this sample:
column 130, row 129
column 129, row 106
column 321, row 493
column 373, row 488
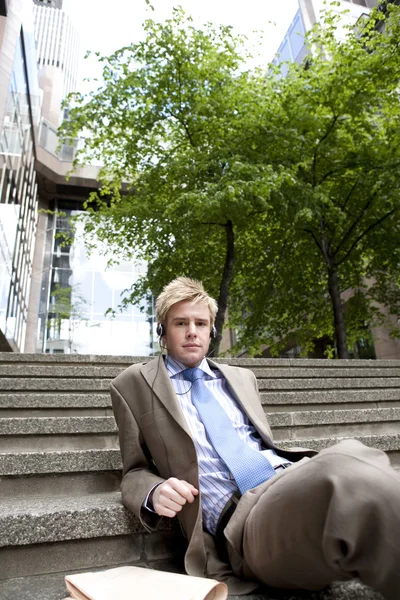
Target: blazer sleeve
column 138, row 473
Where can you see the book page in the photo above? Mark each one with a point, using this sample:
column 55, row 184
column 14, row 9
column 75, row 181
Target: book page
column 136, row 583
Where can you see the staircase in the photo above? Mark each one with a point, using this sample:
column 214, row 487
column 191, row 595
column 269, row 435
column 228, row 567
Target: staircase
column 60, row 507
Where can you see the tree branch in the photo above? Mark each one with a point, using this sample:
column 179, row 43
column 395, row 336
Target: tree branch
column 213, row 223
column 316, row 241
column 324, row 137
column 185, row 127
column 354, row 244
column 349, row 195
column 356, row 222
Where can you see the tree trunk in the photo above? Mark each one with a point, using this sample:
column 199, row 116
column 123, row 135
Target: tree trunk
column 340, row 330
column 334, row 292
column 224, row 287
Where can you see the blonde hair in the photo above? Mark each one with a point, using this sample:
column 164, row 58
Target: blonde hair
column 183, row 288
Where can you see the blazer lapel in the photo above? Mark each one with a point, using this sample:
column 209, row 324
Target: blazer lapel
column 158, row 379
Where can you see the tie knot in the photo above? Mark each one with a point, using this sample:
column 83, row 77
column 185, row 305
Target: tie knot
column 193, row 374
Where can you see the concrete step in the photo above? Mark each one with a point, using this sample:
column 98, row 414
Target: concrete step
column 351, row 422
column 304, row 363
column 89, row 554
column 74, row 433
column 40, row 520
column 272, row 372
column 60, row 466
column 54, row 384
column 324, row 372
column 64, row 433
column 55, row 404
column 73, row 461
column 300, row 400
column 87, row 529
column 327, row 383
column 60, row 371
column 63, row 443
column 52, row 587
column 59, row 484
column 54, row 425
column 389, row 443
column 50, row 399
column 40, row 463
column 253, row 363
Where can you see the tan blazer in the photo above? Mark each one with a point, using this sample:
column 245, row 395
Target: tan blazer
column 156, row 444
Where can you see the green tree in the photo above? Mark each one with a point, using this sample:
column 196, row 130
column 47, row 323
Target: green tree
column 336, row 220
column 279, row 192
column 168, row 120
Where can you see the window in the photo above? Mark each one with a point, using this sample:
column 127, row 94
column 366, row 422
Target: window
column 361, row 2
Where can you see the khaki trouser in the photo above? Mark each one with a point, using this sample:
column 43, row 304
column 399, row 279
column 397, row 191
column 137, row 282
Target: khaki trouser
column 331, row 518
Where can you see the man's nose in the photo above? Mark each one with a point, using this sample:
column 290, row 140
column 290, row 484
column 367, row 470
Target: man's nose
column 191, row 330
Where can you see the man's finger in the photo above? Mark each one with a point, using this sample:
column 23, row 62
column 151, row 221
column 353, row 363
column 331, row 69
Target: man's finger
column 185, row 489
column 166, row 512
column 172, row 495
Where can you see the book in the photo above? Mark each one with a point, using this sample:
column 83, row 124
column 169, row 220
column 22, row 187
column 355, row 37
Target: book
column 137, row 583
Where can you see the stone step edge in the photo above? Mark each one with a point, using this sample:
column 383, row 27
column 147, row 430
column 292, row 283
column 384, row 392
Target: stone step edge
column 33, row 521
column 75, row 425
column 101, row 359
column 101, row 399
column 68, row 461
column 333, row 417
column 387, row 442
column 69, row 425
column 84, row 371
column 332, row 396
column 36, row 521
column 96, row 384
column 52, row 586
column 72, row 461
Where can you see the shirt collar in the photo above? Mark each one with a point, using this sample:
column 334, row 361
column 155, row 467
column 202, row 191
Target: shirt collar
column 174, row 367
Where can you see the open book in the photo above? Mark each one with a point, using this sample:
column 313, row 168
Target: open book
column 135, row 583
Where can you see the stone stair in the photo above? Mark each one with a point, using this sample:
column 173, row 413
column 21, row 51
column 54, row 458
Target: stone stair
column 60, row 506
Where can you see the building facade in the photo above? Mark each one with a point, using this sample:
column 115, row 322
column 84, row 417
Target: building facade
column 292, row 48
column 19, row 119
column 53, row 296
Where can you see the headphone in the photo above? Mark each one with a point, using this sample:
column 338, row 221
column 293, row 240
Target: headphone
column 161, row 331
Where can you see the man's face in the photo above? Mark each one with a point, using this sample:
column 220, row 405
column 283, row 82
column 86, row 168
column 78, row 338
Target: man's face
column 187, row 334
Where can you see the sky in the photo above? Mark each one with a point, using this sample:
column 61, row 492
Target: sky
column 105, row 26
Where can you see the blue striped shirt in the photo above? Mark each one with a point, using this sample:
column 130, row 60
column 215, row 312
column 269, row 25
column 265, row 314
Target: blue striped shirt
column 216, row 482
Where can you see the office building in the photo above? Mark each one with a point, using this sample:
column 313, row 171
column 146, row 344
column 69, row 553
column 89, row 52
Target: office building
column 53, row 296
column 292, row 47
column 19, row 120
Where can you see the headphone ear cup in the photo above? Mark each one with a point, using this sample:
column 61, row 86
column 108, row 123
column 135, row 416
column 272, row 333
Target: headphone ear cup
column 160, row 330
column 213, row 332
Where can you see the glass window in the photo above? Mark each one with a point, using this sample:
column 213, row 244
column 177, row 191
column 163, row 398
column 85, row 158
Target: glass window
column 61, row 261
column 296, row 36
column 82, row 286
column 102, row 296
column 18, row 193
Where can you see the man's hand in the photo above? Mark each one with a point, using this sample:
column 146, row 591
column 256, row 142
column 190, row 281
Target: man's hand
column 169, row 497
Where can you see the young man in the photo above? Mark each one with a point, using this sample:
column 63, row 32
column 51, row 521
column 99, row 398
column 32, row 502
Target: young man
column 196, row 444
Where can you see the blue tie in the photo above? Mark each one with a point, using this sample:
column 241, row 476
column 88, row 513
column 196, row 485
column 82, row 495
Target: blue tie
column 249, row 467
